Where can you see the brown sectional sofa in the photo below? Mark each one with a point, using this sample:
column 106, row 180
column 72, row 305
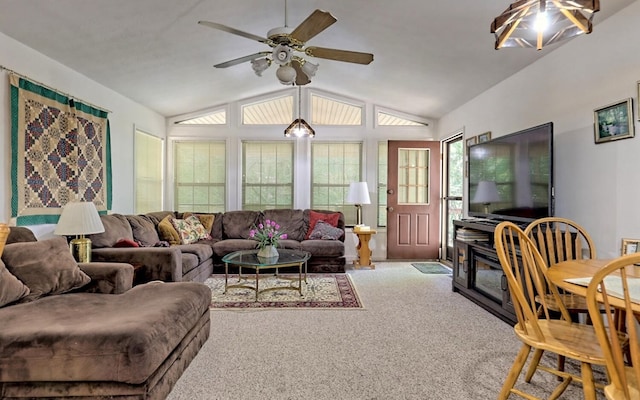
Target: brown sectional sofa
column 229, row 232
column 102, row 340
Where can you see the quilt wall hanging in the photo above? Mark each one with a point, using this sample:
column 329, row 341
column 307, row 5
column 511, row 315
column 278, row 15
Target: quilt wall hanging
column 60, row 153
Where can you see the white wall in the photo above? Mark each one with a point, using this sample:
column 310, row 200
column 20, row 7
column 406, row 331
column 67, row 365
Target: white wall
column 596, row 185
column 123, row 116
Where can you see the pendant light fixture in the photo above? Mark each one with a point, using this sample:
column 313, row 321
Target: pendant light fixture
column 299, row 127
column 538, row 23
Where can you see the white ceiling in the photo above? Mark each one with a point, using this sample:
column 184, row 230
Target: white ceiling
column 429, row 56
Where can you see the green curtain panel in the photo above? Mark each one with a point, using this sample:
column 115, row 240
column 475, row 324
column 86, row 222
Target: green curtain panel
column 60, row 153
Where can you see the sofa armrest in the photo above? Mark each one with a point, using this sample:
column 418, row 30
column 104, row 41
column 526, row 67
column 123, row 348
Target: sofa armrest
column 108, row 278
column 152, row 263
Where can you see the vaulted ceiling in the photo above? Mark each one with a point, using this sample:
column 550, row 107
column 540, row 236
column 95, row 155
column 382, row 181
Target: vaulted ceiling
column 429, row 56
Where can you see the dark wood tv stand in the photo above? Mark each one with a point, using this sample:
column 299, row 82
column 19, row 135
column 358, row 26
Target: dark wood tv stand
column 477, row 273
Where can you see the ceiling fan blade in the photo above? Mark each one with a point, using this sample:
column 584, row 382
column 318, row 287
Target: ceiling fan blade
column 315, row 23
column 242, row 59
column 301, row 78
column 228, row 29
column 339, row 55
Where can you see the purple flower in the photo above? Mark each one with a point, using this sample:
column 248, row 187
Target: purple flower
column 268, row 222
column 284, row 236
column 260, row 226
column 252, row 233
column 277, row 226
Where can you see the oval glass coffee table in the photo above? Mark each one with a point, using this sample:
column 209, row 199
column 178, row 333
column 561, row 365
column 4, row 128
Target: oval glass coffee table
column 250, row 259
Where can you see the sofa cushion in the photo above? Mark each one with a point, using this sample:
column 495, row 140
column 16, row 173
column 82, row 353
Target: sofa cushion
column 325, row 231
column 224, row 247
column 143, row 229
column 92, row 337
column 11, row 289
column 46, row 267
column 116, row 227
column 168, row 232
column 323, row 248
column 291, row 222
column 237, row 224
column 331, row 218
column 202, row 251
column 20, row 234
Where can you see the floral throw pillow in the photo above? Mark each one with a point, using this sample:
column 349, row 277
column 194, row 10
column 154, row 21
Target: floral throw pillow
column 325, row 231
column 190, row 229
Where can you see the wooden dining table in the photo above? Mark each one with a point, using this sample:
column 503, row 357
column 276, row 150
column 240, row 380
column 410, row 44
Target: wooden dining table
column 587, row 269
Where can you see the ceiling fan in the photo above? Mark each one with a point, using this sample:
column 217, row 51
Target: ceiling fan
column 286, row 42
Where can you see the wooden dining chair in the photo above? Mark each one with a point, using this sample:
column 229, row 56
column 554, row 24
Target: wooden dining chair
column 521, row 263
column 613, row 287
column 560, row 239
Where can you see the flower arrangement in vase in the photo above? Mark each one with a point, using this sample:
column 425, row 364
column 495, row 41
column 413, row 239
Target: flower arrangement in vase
column 267, row 235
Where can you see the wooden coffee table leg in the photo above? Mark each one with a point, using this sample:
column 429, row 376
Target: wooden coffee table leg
column 257, row 280
column 226, row 276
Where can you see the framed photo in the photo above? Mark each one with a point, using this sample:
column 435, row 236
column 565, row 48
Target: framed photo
column 614, row 122
column 484, row 137
column 472, row 141
column 630, row 246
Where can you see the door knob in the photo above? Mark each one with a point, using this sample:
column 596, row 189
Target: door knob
column 389, row 191
column 389, row 209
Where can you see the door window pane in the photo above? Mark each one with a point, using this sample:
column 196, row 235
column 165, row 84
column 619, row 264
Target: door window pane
column 413, row 176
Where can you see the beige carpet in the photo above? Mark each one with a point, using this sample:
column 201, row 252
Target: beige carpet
column 319, row 291
column 415, row 340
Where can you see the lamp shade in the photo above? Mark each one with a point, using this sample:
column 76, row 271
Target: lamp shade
column 487, row 192
column 79, row 218
column 358, row 193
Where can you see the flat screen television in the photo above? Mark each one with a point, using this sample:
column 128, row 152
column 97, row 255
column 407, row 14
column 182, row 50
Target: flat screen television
column 511, row 177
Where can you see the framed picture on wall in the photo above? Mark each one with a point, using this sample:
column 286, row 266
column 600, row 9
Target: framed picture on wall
column 638, row 99
column 484, row 137
column 472, row 141
column 630, row 246
column 614, row 122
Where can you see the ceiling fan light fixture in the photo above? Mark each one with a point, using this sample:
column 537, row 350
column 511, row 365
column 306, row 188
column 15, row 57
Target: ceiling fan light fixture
column 282, row 54
column 520, row 24
column 260, row 65
column 286, row 74
column 309, row 68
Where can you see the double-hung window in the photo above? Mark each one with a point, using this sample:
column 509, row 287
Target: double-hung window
column 267, row 175
column 200, row 176
column 334, row 165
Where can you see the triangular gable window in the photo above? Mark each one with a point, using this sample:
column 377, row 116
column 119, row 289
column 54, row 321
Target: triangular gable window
column 215, row 118
column 326, row 111
column 278, row 111
column 387, row 119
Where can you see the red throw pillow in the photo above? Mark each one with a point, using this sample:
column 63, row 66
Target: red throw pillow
column 314, row 217
column 126, row 243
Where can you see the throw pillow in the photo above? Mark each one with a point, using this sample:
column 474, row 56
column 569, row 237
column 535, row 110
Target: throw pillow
column 126, row 243
column 167, row 231
column 144, row 230
column 46, row 267
column 11, row 289
column 325, row 231
column 190, row 229
column 205, row 219
column 199, row 227
column 314, row 216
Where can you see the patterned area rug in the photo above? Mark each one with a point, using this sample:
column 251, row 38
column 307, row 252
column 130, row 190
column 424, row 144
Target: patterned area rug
column 320, row 291
column 431, row 268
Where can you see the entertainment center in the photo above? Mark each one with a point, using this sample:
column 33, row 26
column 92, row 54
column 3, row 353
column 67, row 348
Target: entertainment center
column 510, row 178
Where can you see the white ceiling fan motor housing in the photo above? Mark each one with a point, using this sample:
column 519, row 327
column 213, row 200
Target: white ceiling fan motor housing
column 282, row 54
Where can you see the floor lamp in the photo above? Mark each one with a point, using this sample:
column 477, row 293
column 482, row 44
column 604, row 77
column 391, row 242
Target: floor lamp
column 78, row 219
column 358, row 194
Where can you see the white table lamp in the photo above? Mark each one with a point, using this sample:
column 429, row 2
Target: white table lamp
column 358, row 194
column 79, row 219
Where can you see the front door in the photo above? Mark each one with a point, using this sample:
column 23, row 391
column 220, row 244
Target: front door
column 413, row 200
